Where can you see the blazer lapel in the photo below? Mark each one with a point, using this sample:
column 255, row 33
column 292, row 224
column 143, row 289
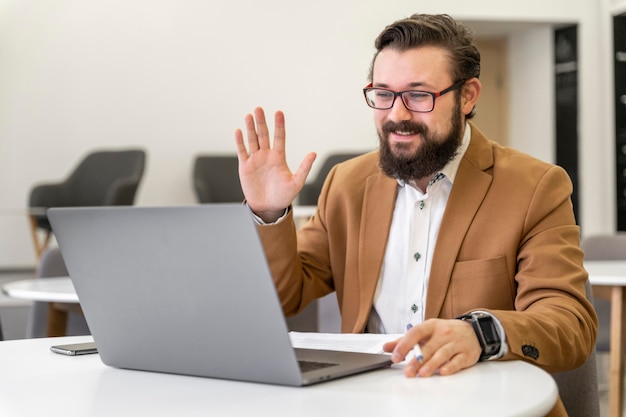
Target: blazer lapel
column 470, row 187
column 378, row 203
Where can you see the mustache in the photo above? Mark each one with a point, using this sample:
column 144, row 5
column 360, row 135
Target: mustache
column 405, row 126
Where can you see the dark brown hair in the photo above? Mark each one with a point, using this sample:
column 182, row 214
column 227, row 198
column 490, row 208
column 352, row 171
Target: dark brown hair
column 433, row 30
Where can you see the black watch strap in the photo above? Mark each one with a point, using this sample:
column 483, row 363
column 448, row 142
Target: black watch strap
column 486, row 332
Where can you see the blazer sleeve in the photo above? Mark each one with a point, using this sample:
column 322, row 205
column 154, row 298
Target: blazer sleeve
column 554, row 324
column 299, row 278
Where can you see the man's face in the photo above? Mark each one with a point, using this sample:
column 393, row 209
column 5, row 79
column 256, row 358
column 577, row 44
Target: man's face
column 416, row 145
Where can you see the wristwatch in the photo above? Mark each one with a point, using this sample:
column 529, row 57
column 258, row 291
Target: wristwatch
column 486, row 332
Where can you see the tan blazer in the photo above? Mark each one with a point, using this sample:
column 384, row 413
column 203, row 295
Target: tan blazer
column 508, row 244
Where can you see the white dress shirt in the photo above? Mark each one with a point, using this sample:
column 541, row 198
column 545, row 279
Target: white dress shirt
column 400, row 297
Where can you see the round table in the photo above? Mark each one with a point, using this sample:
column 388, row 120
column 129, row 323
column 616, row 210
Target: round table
column 59, row 292
column 51, row 290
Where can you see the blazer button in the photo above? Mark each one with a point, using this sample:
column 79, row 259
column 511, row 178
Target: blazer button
column 530, row 351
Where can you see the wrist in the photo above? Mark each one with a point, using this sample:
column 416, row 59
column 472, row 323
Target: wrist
column 486, row 333
column 269, row 216
column 268, row 219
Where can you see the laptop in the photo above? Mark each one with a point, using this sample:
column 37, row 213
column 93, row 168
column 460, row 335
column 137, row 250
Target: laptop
column 187, row 290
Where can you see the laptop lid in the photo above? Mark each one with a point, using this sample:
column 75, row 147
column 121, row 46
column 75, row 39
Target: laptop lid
column 185, row 290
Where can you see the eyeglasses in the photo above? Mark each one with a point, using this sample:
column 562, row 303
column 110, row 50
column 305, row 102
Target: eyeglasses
column 414, row 100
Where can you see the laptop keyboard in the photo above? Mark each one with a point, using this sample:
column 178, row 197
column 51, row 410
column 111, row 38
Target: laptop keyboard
column 307, row 366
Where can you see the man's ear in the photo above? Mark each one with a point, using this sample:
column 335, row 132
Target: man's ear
column 469, row 94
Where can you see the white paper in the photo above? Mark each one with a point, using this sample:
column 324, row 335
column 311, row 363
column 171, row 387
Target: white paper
column 349, row 342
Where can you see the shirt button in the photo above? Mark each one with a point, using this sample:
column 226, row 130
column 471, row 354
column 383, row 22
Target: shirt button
column 417, row 256
column 414, row 308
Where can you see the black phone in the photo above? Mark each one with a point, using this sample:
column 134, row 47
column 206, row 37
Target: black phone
column 74, row 349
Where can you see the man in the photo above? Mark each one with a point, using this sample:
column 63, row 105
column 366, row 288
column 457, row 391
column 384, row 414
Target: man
column 471, row 246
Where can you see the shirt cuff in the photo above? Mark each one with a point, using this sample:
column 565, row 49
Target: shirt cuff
column 260, row 221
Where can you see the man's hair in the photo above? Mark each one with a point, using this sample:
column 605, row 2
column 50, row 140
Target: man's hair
column 433, row 30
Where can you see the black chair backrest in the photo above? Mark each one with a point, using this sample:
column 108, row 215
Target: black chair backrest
column 102, row 178
column 216, row 179
column 106, row 178
column 310, row 192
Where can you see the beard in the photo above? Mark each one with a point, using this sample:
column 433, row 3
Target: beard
column 431, row 156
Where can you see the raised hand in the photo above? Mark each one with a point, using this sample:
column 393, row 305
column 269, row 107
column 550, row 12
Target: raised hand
column 266, row 180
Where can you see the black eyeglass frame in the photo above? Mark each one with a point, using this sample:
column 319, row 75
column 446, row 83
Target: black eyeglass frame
column 400, row 94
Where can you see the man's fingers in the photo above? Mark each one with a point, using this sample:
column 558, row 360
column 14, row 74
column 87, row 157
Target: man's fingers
column 279, row 131
column 262, row 131
column 258, row 133
column 304, row 169
column 242, row 152
column 455, row 364
column 253, row 143
column 390, row 346
column 417, row 334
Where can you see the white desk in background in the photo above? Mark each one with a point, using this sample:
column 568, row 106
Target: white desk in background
column 35, row 381
column 613, row 274
column 303, row 212
column 53, row 290
column 59, row 292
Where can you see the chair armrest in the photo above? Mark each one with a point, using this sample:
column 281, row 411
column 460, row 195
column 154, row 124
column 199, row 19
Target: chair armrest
column 48, row 195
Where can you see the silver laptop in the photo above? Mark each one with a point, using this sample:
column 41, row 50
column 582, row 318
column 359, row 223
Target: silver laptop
column 187, row 290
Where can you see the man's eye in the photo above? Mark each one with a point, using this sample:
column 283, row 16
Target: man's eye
column 416, row 96
column 384, row 95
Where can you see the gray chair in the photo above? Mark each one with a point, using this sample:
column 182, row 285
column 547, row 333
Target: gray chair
column 216, row 179
column 52, row 265
column 311, row 191
column 610, row 247
column 102, row 178
column 578, row 388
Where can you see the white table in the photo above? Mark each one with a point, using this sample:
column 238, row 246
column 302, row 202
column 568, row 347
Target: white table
column 613, row 274
column 35, row 381
column 304, row 212
column 59, row 292
column 52, row 290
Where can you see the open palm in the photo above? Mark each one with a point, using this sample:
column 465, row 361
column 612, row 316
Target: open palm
column 266, row 180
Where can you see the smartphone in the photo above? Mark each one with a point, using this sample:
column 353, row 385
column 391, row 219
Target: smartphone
column 75, row 349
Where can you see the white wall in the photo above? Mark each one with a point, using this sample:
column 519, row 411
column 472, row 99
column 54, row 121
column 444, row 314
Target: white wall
column 176, row 77
column 618, row 6
column 531, row 70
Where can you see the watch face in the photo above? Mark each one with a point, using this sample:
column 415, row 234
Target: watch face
column 489, row 330
column 490, row 336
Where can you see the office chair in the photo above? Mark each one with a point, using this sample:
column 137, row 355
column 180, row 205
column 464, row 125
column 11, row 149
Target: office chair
column 604, row 247
column 578, row 388
column 611, row 247
column 216, row 179
column 311, row 191
column 102, row 178
column 52, row 265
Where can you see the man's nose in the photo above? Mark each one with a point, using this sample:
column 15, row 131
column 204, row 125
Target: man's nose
column 399, row 111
